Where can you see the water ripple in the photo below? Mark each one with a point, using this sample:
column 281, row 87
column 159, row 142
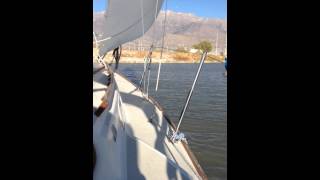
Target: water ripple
column 205, row 121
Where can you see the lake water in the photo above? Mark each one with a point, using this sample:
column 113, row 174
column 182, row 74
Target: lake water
column 205, row 121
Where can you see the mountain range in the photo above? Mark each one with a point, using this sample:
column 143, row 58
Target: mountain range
column 182, row 30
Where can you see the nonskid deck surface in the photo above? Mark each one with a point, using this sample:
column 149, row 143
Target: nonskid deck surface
column 148, row 124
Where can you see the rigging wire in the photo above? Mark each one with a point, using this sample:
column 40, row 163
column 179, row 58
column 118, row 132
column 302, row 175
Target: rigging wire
column 163, row 33
column 142, row 22
column 164, row 27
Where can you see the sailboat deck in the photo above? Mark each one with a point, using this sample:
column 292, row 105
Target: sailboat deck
column 147, row 123
column 142, row 149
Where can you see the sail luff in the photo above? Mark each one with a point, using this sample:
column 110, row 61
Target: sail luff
column 122, row 22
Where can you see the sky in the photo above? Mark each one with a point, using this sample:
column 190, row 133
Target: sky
column 202, row 8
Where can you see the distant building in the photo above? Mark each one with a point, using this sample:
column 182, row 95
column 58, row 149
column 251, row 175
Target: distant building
column 192, row 50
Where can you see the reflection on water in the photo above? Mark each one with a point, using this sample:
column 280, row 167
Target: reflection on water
column 205, row 121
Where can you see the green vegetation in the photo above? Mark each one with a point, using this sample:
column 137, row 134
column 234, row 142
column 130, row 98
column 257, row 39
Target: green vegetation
column 203, row 46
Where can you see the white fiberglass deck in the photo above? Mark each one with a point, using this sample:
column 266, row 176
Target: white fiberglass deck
column 141, row 149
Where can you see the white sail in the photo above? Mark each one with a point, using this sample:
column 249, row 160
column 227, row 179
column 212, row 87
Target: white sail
column 123, row 22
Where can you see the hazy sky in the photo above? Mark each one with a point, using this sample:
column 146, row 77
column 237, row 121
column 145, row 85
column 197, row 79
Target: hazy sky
column 203, row 8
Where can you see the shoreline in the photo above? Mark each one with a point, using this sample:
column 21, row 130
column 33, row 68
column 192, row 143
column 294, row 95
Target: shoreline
column 137, row 57
column 125, row 60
